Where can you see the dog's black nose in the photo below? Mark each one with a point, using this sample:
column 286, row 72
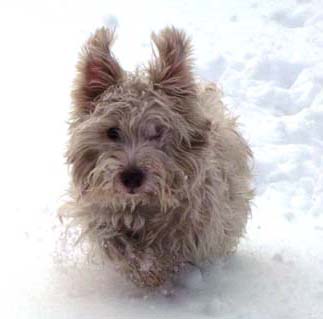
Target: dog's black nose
column 132, row 178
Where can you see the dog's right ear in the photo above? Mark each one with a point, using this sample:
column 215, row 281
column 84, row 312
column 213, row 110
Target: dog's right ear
column 97, row 70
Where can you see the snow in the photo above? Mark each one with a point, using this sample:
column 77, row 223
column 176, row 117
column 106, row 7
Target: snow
column 268, row 58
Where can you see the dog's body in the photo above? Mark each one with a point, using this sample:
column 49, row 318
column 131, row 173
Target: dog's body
column 160, row 174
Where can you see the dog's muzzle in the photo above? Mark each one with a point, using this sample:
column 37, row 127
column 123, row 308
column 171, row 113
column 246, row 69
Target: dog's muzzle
column 132, row 178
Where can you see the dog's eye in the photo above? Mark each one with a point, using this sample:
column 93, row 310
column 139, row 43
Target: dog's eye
column 113, row 133
column 156, row 133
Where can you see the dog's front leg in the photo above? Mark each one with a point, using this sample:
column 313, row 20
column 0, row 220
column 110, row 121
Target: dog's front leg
column 145, row 268
column 141, row 266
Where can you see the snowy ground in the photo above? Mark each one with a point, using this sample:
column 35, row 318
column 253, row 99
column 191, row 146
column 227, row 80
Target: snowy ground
column 267, row 56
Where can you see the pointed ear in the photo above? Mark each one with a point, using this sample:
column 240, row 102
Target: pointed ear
column 97, row 70
column 171, row 69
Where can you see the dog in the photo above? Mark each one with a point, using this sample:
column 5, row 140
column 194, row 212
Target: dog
column 161, row 177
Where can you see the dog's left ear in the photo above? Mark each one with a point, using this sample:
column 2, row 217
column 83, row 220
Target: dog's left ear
column 97, row 70
column 171, row 68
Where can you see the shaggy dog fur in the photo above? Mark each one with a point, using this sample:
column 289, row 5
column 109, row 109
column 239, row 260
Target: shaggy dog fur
column 160, row 175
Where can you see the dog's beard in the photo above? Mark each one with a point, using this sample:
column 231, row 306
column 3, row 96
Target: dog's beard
column 163, row 187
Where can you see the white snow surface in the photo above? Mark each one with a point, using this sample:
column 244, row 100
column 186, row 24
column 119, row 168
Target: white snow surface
column 268, row 58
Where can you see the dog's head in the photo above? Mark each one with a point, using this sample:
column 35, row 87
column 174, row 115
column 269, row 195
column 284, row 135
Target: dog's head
column 136, row 138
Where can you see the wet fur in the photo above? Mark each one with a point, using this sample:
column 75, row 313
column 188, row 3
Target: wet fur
column 195, row 201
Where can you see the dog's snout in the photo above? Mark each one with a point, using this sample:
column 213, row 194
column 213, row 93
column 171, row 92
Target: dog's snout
column 132, row 178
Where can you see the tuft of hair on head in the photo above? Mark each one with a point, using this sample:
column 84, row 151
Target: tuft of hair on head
column 97, row 70
column 171, row 69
